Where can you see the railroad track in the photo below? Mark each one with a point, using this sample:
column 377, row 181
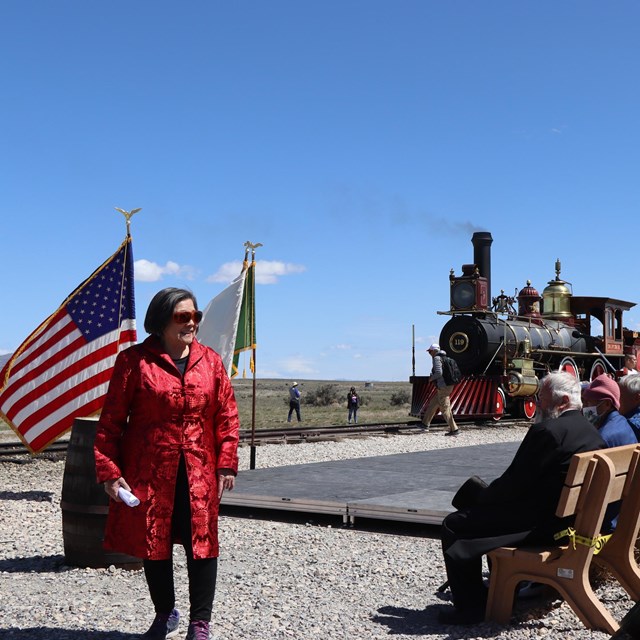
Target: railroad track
column 286, row 435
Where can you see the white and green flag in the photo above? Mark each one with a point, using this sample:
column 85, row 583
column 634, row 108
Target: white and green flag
column 219, row 326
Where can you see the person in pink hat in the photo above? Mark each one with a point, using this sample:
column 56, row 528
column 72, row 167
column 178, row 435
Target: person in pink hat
column 601, row 402
column 600, row 405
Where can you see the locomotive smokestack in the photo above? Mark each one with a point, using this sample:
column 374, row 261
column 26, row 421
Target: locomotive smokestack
column 482, row 256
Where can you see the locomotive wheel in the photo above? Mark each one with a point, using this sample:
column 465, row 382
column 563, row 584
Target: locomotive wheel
column 528, row 407
column 598, row 368
column 500, row 401
column 569, row 365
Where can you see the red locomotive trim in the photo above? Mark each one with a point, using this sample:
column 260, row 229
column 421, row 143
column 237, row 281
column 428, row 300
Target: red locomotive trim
column 473, row 397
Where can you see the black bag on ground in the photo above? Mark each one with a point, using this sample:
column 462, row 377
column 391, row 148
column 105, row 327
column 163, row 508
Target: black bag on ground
column 450, row 370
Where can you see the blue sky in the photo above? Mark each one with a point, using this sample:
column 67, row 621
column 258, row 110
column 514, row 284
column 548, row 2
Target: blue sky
column 361, row 141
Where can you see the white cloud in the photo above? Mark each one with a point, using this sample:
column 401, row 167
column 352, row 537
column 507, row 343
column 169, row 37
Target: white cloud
column 342, row 347
column 147, row 271
column 298, row 364
column 267, row 271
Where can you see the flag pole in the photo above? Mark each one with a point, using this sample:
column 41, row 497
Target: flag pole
column 252, row 324
column 413, row 349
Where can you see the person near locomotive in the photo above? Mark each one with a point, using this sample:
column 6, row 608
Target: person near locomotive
column 294, row 402
column 519, row 506
column 629, row 369
column 601, row 401
column 353, row 404
column 169, row 433
column 630, row 402
column 441, row 400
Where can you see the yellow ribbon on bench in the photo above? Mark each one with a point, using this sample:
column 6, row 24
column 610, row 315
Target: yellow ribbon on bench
column 598, row 542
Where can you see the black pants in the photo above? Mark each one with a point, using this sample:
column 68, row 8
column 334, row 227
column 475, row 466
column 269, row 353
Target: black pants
column 294, row 405
column 466, row 536
column 202, row 573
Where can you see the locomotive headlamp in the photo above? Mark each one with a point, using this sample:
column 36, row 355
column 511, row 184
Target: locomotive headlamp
column 468, row 293
column 463, row 295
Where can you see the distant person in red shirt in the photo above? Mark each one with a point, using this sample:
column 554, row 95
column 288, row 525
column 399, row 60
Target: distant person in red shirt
column 353, row 403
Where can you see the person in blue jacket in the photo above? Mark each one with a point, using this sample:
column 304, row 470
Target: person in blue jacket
column 601, row 402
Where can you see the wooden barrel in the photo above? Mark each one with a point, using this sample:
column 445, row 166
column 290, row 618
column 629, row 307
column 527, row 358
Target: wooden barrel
column 85, row 505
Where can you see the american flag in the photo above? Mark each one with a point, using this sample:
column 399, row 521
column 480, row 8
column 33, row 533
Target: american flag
column 62, row 370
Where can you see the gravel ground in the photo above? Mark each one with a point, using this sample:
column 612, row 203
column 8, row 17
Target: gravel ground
column 276, row 580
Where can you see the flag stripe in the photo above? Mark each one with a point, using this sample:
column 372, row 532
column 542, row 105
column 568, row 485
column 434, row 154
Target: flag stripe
column 69, row 396
column 59, row 360
column 52, row 432
column 44, row 370
column 62, row 370
column 61, row 327
column 44, row 390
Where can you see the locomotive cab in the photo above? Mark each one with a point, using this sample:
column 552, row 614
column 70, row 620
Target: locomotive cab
column 600, row 319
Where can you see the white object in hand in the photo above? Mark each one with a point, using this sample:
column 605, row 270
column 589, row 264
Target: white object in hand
column 128, row 498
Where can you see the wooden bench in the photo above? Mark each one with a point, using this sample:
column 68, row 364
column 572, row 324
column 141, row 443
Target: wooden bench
column 618, row 554
column 594, row 480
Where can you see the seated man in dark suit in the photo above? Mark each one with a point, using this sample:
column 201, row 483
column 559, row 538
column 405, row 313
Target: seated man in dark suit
column 519, row 506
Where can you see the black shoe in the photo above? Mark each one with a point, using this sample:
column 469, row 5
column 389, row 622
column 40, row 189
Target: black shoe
column 451, row 616
column 452, row 433
column 528, row 589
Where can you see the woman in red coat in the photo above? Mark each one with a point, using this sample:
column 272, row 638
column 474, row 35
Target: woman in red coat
column 168, row 433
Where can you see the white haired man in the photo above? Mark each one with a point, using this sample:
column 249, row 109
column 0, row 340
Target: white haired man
column 519, row 506
column 443, row 391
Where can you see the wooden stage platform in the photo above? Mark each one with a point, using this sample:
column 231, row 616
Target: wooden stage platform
column 407, row 487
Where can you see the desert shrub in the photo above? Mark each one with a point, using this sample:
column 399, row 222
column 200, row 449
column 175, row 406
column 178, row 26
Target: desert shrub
column 324, row 396
column 399, row 398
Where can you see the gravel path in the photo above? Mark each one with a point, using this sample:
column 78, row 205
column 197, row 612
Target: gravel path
column 277, row 580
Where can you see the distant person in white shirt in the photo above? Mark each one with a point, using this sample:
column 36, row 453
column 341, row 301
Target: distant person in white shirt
column 294, row 401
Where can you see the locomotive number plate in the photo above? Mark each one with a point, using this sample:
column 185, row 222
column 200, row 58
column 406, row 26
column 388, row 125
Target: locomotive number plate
column 459, row 342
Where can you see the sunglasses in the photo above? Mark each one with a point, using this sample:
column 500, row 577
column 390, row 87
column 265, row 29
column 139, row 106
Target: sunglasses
column 182, row 317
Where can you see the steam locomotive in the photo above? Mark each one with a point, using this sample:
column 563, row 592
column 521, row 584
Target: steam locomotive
column 503, row 352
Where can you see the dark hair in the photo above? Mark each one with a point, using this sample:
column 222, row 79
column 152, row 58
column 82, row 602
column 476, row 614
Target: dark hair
column 161, row 308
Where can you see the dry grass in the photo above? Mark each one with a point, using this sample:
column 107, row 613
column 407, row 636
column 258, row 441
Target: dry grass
column 272, row 402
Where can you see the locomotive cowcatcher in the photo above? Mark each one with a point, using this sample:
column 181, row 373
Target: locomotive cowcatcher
column 502, row 353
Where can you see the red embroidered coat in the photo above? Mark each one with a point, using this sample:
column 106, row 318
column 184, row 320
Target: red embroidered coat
column 151, row 416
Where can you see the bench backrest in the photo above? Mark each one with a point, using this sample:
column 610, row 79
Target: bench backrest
column 580, row 471
column 595, row 479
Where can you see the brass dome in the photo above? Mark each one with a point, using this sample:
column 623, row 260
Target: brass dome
column 556, row 298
